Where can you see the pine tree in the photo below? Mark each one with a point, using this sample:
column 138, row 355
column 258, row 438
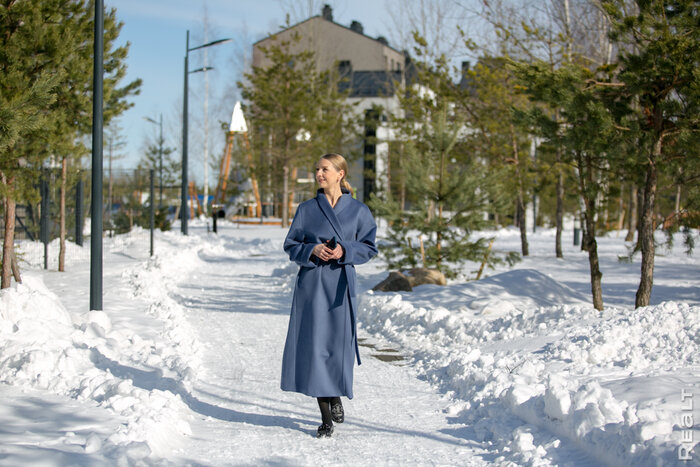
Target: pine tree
column 72, row 111
column 27, row 88
column 493, row 97
column 287, row 100
column 448, row 187
column 659, row 71
column 167, row 169
column 45, row 93
column 586, row 129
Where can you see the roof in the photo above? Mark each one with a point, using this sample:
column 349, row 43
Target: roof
column 381, row 41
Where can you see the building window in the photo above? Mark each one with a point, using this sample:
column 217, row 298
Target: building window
column 344, row 68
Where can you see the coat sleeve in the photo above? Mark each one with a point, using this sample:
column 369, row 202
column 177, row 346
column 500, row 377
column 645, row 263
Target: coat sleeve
column 363, row 249
column 298, row 250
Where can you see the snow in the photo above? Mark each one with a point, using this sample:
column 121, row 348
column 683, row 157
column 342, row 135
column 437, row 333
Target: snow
column 182, row 365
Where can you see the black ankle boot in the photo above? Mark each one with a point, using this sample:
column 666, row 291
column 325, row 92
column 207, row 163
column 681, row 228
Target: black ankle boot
column 324, row 431
column 337, row 411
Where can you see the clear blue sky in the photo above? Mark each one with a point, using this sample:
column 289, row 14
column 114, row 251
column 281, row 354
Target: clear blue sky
column 156, row 30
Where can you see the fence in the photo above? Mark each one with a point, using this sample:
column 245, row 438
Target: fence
column 126, row 204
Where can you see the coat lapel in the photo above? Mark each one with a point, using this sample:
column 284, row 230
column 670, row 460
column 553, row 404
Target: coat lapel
column 330, row 213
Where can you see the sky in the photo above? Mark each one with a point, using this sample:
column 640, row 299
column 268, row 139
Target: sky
column 156, row 31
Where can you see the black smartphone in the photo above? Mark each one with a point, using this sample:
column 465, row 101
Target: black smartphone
column 332, row 243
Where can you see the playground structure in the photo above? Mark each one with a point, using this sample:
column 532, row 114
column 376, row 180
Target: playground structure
column 194, row 198
column 238, row 126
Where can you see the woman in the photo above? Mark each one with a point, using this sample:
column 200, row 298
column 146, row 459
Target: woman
column 321, row 345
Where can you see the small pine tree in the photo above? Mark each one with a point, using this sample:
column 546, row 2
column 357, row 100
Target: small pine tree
column 448, row 189
column 287, row 99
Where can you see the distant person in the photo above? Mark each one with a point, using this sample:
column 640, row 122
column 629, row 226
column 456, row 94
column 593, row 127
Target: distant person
column 329, row 235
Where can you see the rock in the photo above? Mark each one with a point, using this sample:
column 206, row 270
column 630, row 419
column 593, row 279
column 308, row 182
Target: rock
column 420, row 276
column 394, row 283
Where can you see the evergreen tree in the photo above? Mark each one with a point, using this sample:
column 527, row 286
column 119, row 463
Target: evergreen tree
column 27, row 88
column 449, row 189
column 585, row 128
column 171, row 164
column 496, row 138
column 72, row 111
column 167, row 168
column 659, row 72
column 288, row 100
column 45, row 98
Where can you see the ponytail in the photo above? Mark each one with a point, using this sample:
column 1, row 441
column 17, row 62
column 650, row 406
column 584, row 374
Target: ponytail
column 339, row 163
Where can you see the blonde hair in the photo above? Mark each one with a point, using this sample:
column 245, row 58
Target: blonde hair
column 339, row 163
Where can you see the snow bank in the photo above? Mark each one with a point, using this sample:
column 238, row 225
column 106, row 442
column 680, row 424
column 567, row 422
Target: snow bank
column 141, row 379
column 526, row 372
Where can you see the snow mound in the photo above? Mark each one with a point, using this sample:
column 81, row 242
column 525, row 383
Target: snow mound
column 42, row 346
column 84, row 356
column 530, row 286
column 534, row 371
column 503, row 293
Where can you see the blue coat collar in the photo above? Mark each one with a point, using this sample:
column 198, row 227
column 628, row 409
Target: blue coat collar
column 331, row 213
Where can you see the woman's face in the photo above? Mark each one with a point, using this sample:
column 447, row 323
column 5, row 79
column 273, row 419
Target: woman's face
column 326, row 175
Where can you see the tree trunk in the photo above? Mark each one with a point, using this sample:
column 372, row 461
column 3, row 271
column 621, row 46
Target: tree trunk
column 523, row 225
column 388, row 193
column 632, row 215
column 560, row 206
column 290, row 196
column 582, row 222
column 62, row 217
column 646, row 231
column 588, row 243
column 640, row 210
column 520, row 202
column 593, row 262
column 285, row 195
column 9, row 237
column 620, row 212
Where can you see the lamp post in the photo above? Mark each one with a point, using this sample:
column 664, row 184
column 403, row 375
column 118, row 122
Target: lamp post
column 183, row 188
column 160, row 157
column 97, row 124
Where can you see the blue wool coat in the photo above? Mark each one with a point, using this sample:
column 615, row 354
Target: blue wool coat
column 321, row 346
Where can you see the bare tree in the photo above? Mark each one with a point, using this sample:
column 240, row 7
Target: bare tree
column 299, row 10
column 436, row 21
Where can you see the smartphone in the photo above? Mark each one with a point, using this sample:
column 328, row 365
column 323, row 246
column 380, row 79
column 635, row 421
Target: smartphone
column 332, row 243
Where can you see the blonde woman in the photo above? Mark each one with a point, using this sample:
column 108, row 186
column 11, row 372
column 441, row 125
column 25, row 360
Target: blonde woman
column 329, row 235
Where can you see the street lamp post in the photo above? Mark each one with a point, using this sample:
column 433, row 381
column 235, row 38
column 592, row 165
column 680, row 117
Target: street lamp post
column 183, row 188
column 160, row 157
column 97, row 130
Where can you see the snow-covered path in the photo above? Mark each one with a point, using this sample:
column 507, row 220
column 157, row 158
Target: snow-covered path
column 240, row 311
column 182, row 366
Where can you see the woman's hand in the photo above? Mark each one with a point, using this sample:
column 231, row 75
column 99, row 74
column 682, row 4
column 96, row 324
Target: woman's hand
column 326, row 254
